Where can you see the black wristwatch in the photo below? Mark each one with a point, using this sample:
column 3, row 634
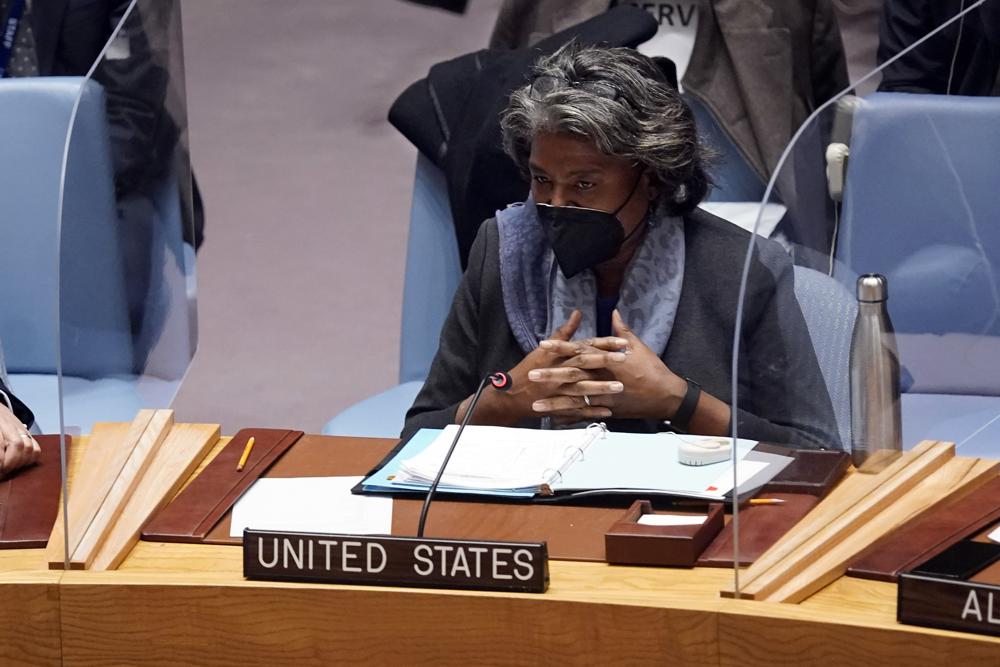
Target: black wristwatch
column 682, row 418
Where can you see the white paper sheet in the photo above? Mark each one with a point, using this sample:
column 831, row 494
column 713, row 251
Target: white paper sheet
column 995, row 535
column 672, row 519
column 311, row 505
column 744, row 214
column 744, row 471
column 495, row 457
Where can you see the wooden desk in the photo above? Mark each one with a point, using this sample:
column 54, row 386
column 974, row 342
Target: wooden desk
column 176, row 604
column 29, row 609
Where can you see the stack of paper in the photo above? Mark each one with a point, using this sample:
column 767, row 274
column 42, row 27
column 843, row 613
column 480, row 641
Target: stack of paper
column 492, row 457
column 518, row 462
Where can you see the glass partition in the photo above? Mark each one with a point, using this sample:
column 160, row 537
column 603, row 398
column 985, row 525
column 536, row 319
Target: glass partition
column 35, row 117
column 901, row 185
column 127, row 306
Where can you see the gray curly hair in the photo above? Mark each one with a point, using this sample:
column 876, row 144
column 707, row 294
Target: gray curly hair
column 646, row 122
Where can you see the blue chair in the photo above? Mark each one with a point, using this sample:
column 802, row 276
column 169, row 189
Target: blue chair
column 62, row 284
column 432, row 274
column 735, row 180
column 921, row 206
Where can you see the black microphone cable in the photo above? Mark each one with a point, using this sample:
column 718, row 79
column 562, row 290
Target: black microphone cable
column 954, row 54
column 501, row 382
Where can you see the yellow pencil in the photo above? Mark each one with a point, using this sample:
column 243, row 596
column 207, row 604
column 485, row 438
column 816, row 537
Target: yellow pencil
column 246, row 455
column 767, row 501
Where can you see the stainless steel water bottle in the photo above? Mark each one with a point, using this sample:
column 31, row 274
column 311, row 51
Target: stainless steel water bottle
column 876, row 420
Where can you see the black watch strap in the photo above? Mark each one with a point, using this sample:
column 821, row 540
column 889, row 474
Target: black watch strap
column 682, row 417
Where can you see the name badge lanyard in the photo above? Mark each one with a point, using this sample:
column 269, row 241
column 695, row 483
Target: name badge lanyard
column 9, row 34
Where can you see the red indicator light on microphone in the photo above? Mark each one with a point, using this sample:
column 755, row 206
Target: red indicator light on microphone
column 500, row 381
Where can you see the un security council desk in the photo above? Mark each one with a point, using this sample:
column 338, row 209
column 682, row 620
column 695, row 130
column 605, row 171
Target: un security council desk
column 176, row 603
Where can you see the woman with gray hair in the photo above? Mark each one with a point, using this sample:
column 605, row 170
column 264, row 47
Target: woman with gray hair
column 608, row 294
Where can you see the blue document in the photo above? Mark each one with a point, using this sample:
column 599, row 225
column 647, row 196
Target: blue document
column 644, row 461
column 614, row 462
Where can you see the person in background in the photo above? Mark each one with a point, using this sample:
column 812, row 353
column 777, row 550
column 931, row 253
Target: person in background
column 859, row 24
column 962, row 59
column 719, row 47
column 751, row 72
column 608, row 294
column 155, row 191
column 453, row 115
column 65, row 38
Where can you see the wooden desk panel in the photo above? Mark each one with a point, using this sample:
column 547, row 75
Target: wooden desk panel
column 217, row 624
column 30, row 627
column 756, row 639
column 593, row 613
column 186, row 603
column 29, row 609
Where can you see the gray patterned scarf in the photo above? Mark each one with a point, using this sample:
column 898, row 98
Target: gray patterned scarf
column 538, row 298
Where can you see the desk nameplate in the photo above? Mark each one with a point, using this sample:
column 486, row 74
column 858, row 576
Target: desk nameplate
column 380, row 560
column 949, row 604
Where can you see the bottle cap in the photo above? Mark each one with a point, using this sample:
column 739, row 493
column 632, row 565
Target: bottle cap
column 872, row 288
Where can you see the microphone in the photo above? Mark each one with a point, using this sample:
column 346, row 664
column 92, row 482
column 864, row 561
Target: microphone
column 499, row 381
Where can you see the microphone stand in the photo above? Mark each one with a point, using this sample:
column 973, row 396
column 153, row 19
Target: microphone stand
column 500, row 382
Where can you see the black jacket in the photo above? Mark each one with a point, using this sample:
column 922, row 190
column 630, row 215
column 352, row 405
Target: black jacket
column 69, row 37
column 783, row 398
column 453, row 115
column 21, row 410
column 973, row 42
column 457, row 6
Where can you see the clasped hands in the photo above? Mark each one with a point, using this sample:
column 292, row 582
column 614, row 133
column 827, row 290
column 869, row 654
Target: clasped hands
column 596, row 378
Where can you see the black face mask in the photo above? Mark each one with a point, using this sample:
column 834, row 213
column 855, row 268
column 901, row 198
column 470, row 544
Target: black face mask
column 582, row 238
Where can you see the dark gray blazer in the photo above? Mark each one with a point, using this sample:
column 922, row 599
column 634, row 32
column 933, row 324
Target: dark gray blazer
column 782, row 395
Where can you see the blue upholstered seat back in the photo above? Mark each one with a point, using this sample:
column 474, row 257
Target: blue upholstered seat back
column 431, row 276
column 922, row 206
column 432, row 273
column 45, row 250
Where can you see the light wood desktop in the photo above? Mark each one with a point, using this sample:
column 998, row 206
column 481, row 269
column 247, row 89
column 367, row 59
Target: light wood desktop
column 185, row 603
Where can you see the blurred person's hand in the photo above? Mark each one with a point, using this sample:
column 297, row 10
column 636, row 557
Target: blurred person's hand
column 17, row 447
